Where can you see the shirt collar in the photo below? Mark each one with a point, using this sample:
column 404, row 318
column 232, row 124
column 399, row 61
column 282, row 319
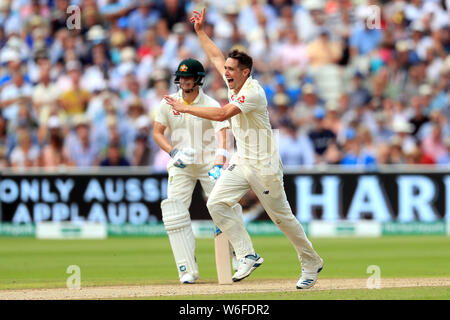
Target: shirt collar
column 249, row 79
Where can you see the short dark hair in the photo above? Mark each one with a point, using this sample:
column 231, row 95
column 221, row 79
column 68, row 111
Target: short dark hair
column 244, row 60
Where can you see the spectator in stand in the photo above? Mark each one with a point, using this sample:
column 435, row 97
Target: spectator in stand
column 45, row 94
column 433, row 145
column 359, row 95
column 97, row 73
column 303, row 113
column 280, row 111
column 419, row 117
column 144, row 127
column 53, row 154
column 292, row 53
column 24, row 119
column 3, row 159
column 180, row 38
column 295, row 149
column 383, row 154
column 368, row 147
column 142, row 153
column 403, row 131
column 309, row 19
column 80, row 147
column 75, row 100
column 351, row 149
column 4, row 137
column 114, row 157
column 383, row 132
column 157, row 88
column 256, row 16
column 436, row 118
column 365, row 38
column 13, row 93
column 25, row 154
column 445, row 158
column 320, row 136
column 172, row 12
column 323, row 51
column 143, row 17
column 396, row 155
column 150, row 46
column 332, row 119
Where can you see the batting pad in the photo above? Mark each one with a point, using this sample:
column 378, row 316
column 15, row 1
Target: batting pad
column 177, row 223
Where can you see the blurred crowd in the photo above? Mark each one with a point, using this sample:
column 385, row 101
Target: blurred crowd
column 348, row 83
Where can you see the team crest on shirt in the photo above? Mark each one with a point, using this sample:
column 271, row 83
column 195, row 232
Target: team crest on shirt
column 241, row 99
column 175, row 112
column 183, row 68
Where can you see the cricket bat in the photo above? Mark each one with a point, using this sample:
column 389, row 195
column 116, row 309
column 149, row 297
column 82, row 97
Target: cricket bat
column 222, row 250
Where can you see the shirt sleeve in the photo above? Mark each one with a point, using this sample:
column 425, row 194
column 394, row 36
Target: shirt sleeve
column 161, row 113
column 249, row 100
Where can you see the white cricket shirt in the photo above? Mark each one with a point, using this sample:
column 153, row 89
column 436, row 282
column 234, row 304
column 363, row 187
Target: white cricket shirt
column 188, row 131
column 251, row 128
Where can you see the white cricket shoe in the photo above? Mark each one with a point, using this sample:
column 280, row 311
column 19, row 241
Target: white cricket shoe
column 246, row 266
column 188, row 278
column 309, row 278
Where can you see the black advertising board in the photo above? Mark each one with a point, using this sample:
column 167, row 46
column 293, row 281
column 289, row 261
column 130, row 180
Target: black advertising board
column 135, row 197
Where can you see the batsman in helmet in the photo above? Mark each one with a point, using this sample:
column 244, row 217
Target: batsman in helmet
column 198, row 150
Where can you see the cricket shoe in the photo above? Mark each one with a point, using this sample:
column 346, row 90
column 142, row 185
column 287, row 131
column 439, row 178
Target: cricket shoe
column 309, row 278
column 188, row 278
column 246, row 266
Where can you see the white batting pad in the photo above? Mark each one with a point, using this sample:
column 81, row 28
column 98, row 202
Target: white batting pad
column 178, row 226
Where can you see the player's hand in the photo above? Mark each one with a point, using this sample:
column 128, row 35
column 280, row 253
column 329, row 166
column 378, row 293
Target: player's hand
column 181, row 158
column 215, row 172
column 198, row 19
column 176, row 105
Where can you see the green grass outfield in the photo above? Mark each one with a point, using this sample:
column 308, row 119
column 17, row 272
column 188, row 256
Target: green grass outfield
column 32, row 263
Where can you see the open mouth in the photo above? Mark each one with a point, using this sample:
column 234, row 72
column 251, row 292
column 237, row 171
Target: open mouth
column 230, row 80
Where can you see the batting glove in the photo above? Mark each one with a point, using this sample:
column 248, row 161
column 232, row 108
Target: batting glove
column 215, row 172
column 181, row 158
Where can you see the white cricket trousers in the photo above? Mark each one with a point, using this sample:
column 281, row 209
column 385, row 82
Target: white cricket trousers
column 182, row 181
column 233, row 184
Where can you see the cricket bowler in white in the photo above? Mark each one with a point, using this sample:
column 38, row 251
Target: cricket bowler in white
column 195, row 157
column 256, row 165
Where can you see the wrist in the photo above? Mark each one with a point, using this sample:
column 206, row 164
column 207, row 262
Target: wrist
column 173, row 152
column 222, row 152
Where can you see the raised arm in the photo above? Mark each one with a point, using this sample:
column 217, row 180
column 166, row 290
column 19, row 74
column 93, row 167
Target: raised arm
column 212, row 51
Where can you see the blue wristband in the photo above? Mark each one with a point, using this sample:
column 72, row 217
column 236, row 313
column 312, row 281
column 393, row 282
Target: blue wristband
column 173, row 152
